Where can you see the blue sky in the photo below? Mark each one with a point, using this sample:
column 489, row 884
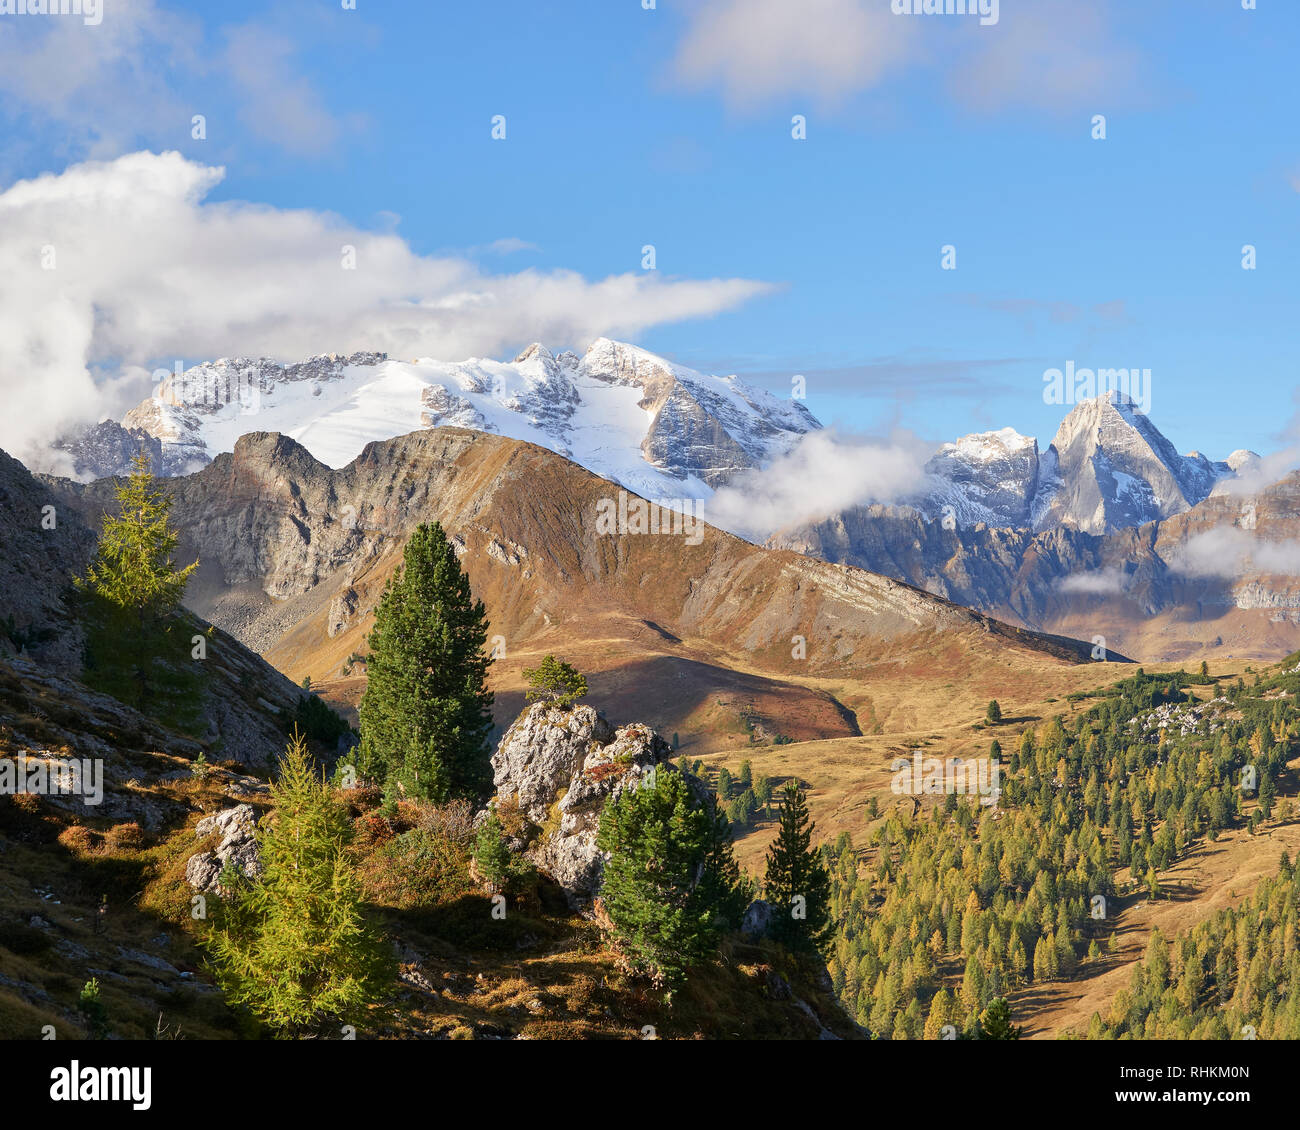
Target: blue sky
column 672, row 127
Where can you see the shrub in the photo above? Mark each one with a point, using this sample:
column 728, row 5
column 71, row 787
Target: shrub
column 491, row 856
column 80, row 839
column 92, row 1008
column 124, row 837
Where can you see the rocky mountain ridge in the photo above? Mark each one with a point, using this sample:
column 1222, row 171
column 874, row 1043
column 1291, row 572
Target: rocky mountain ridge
column 1108, row 468
column 654, row 426
column 1221, row 577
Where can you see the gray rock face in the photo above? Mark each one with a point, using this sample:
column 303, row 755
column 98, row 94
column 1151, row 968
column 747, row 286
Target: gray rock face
column 700, row 426
column 45, row 544
column 542, row 753
column 1108, row 469
column 441, row 407
column 238, row 847
column 107, row 448
column 1114, row 470
column 1231, row 550
column 569, row 764
column 992, row 477
column 757, row 920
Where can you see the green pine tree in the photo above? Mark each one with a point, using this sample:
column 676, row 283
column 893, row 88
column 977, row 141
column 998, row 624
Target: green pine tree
column 671, row 884
column 136, row 649
column 797, row 883
column 491, row 856
column 293, row 946
column 556, row 683
column 995, row 1022
column 427, row 714
column 92, row 1008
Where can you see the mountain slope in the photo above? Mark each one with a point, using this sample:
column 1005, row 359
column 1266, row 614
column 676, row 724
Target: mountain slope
column 1222, row 577
column 698, row 637
column 245, row 704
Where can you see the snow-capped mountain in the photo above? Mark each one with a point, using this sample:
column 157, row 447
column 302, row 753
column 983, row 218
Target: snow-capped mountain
column 990, row 477
column 659, row 429
column 1108, row 468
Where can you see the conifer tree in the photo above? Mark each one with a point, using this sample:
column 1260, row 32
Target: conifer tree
column 995, row 1022
column 134, row 590
column 292, row 945
column 556, row 683
column 797, row 882
column 671, row 882
column 426, row 713
column 491, row 856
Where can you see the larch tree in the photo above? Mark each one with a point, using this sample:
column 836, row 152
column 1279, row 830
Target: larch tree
column 293, row 945
column 135, row 649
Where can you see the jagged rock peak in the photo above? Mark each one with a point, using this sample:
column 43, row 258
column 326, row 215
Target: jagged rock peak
column 556, row 769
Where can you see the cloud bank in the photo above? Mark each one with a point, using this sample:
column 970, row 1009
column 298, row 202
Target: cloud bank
column 1044, row 54
column 827, row 471
column 111, row 269
column 1229, row 551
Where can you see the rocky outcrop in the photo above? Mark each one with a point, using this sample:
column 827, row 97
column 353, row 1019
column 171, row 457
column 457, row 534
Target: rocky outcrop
column 542, row 753
column 237, row 847
column 46, row 543
column 560, row 768
column 107, row 448
column 757, row 920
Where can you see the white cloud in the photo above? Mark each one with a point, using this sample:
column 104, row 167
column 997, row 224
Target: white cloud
column 511, row 245
column 758, row 49
column 827, row 471
column 277, row 104
column 147, row 273
column 1230, row 551
column 1041, row 53
column 137, row 78
column 1056, row 54
column 1101, row 582
column 1260, row 472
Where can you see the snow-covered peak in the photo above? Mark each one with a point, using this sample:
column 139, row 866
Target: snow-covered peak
column 1107, row 468
column 1117, row 470
column 988, row 477
column 658, row 428
column 985, row 447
